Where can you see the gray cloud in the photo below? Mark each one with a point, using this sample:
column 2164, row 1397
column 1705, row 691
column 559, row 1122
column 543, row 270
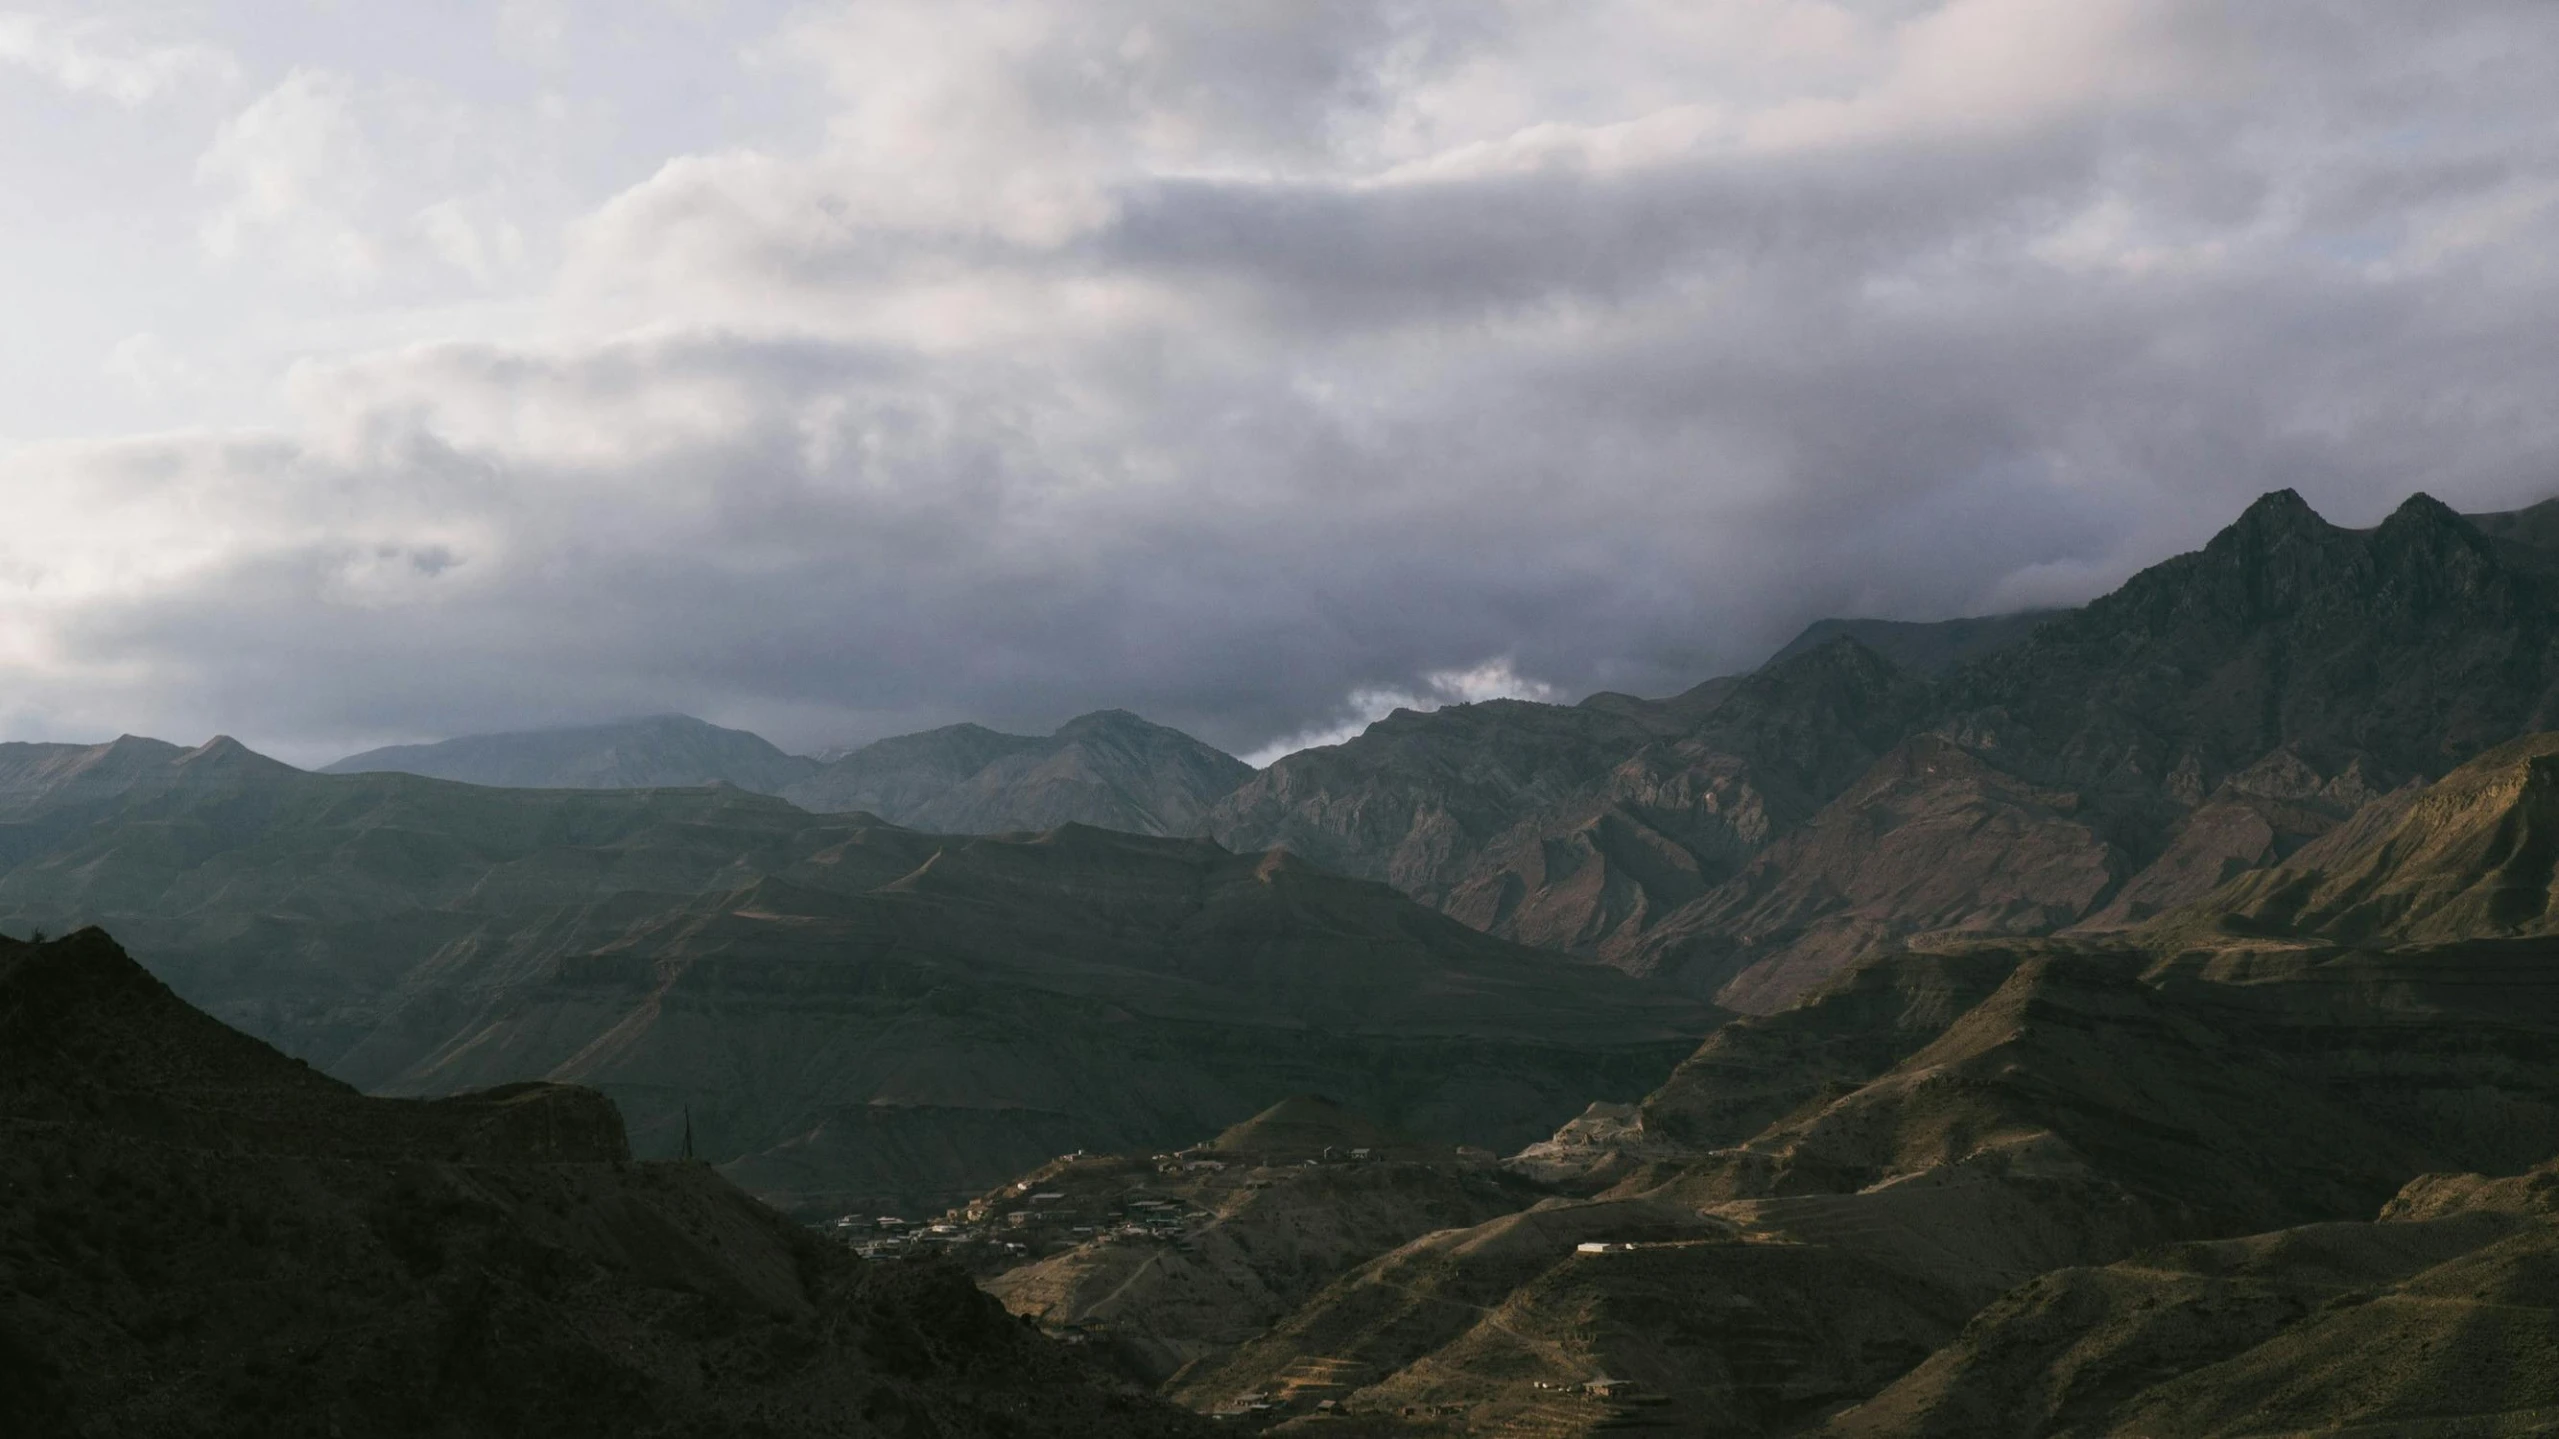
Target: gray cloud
column 1250, row 373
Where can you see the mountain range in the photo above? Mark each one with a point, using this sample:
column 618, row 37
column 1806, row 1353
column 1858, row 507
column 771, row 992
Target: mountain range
column 1109, row 769
column 1751, row 838
column 2228, row 1172
column 2139, row 1019
column 651, row 752
column 853, row 1013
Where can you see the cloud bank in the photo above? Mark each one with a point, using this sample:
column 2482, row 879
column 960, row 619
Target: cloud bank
column 1253, row 366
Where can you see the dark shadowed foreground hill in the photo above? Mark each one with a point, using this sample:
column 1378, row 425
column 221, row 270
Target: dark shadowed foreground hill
column 199, row 1236
column 854, row 1013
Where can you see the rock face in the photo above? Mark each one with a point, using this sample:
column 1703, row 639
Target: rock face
column 1109, row 769
column 2081, row 770
column 661, row 750
column 203, row 1237
column 855, row 1014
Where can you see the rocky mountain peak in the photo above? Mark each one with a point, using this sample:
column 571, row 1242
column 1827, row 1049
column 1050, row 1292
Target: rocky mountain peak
column 222, row 749
column 2422, row 509
column 2274, row 515
column 2427, row 554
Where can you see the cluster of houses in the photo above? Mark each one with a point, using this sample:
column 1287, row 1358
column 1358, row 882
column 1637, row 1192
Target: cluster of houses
column 1029, row 1220
column 886, row 1236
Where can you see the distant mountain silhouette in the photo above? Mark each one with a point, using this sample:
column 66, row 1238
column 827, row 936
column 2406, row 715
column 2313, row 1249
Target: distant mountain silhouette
column 1927, row 647
column 660, row 750
column 1110, row 769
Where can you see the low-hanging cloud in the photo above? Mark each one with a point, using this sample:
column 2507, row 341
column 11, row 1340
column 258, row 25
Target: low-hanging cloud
column 1261, row 373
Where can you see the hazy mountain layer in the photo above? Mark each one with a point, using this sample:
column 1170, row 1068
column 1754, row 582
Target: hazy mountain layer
column 1109, row 769
column 659, row 751
column 203, row 1237
column 856, row 1014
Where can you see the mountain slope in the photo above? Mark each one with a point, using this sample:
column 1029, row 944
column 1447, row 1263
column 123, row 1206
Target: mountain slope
column 2434, row 1320
column 2474, row 855
column 660, row 750
column 203, row 1237
column 1579, row 827
column 1110, row 769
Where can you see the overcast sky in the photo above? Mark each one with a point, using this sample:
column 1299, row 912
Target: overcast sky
column 377, row 372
